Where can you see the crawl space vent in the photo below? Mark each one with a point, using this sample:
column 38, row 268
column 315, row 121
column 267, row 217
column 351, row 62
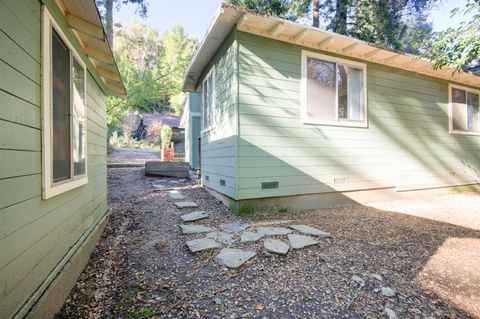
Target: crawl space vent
column 222, row 182
column 207, row 178
column 269, row 185
column 340, row 181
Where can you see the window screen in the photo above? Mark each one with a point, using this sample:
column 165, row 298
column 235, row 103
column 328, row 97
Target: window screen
column 465, row 110
column 60, row 109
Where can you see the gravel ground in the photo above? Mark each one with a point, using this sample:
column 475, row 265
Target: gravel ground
column 141, row 268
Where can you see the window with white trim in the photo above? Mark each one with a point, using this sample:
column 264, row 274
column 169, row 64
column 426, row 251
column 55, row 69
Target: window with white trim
column 208, row 100
column 64, row 147
column 333, row 91
column 464, row 110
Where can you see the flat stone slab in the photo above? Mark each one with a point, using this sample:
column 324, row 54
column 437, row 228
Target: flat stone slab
column 170, row 169
column 276, row 246
column 234, row 258
column 159, row 188
column 248, row 236
column 176, row 195
column 195, row 229
column 234, row 227
column 273, row 231
column 194, row 216
column 301, row 241
column 222, row 237
column 307, row 230
column 186, row 205
column 203, row 244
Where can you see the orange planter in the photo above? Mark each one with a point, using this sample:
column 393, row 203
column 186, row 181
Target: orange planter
column 168, row 153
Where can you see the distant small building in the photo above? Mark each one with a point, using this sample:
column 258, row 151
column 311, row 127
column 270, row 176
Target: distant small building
column 191, row 123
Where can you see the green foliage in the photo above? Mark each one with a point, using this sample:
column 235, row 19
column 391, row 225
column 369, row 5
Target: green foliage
column 118, row 141
column 384, row 22
column 177, row 102
column 459, row 47
column 252, row 207
column 152, row 68
column 166, row 135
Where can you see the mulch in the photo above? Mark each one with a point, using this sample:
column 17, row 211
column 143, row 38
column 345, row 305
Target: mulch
column 141, row 267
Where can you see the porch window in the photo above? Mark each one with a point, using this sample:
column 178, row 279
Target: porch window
column 64, row 112
column 464, row 110
column 208, row 99
column 333, row 91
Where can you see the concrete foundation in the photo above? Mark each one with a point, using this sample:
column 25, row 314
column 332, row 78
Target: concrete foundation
column 168, row 169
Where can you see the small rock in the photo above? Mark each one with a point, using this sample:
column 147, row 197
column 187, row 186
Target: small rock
column 217, row 301
column 186, row 205
column 307, row 230
column 359, row 280
column 234, row 258
column 273, row 231
column 248, row 236
column 388, row 292
column 390, row 313
column 222, row 237
column 276, row 246
column 195, row 229
column 193, row 216
column 378, row 277
column 203, row 244
column 234, row 228
column 301, row 241
column 176, row 195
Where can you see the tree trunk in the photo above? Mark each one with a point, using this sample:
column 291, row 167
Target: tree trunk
column 109, row 20
column 315, row 9
column 340, row 25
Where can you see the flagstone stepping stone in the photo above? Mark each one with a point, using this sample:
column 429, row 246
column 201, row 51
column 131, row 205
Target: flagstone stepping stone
column 276, row 246
column 222, row 237
column 301, row 241
column 186, row 205
column 273, row 231
column 176, row 195
column 307, row 230
column 202, row 244
column 248, row 236
column 194, row 216
column 195, row 229
column 234, row 258
column 234, row 228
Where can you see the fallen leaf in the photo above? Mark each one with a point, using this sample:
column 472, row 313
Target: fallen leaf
column 259, row 306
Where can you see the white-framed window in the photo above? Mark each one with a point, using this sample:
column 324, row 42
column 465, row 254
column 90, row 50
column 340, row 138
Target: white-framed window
column 333, row 91
column 463, row 110
column 64, row 147
column 208, row 100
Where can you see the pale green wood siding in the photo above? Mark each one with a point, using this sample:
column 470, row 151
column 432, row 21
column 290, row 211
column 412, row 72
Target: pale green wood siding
column 406, row 145
column 219, row 145
column 36, row 234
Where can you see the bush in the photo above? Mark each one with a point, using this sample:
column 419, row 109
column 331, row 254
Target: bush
column 178, row 137
column 166, row 135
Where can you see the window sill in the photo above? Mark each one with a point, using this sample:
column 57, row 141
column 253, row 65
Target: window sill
column 51, row 191
column 464, row 132
column 335, row 123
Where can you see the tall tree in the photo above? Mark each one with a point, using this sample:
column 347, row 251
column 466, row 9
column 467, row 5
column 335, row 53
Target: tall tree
column 458, row 47
column 106, row 10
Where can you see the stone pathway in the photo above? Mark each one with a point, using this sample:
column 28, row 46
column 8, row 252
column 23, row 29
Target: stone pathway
column 229, row 234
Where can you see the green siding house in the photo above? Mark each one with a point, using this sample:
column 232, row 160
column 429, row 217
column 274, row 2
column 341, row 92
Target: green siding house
column 56, row 69
column 302, row 117
column 191, row 122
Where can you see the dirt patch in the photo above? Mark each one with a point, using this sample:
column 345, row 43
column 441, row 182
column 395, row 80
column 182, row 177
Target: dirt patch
column 142, row 268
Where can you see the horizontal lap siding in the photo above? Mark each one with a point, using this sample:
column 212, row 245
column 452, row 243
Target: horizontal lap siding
column 35, row 234
column 219, row 145
column 406, row 145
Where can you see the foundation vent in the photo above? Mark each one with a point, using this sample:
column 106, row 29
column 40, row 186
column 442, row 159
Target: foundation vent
column 207, row 178
column 269, row 185
column 340, row 181
column 222, row 182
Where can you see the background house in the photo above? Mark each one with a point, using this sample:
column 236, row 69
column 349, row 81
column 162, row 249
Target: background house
column 191, row 123
column 304, row 117
column 56, row 69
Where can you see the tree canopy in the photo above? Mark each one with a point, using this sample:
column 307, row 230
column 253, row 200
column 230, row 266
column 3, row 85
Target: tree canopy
column 152, row 67
column 458, row 47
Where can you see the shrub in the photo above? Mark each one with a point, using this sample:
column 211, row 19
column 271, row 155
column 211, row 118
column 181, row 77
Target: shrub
column 166, row 135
